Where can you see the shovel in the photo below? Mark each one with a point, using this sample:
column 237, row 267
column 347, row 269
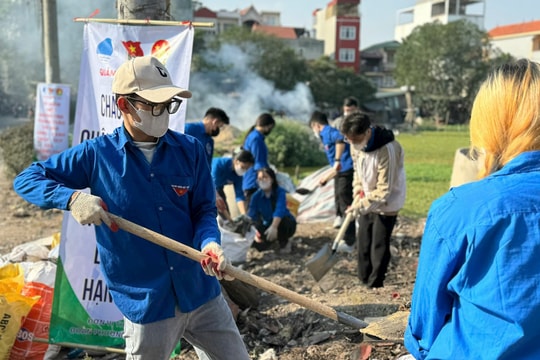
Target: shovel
column 323, row 261
column 239, row 274
column 329, row 176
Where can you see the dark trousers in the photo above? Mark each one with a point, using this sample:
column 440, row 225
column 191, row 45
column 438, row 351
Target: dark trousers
column 343, row 195
column 374, row 232
column 286, row 229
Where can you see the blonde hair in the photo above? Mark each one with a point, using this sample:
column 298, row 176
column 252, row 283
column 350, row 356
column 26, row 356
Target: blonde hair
column 505, row 118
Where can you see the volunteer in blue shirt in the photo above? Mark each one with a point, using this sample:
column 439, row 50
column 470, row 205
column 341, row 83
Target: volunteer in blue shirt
column 254, row 143
column 205, row 130
column 227, row 170
column 159, row 179
column 269, row 213
column 477, row 292
column 339, row 157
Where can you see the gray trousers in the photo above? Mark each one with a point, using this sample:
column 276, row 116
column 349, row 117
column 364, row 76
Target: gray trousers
column 210, row 328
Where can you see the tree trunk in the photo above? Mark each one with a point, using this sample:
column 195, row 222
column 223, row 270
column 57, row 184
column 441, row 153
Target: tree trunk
column 143, row 9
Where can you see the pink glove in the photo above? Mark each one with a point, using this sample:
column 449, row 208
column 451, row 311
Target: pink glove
column 215, row 262
column 90, row 209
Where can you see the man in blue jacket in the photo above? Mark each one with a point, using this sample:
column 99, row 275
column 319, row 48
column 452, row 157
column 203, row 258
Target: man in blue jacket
column 205, row 130
column 339, row 157
column 159, row 179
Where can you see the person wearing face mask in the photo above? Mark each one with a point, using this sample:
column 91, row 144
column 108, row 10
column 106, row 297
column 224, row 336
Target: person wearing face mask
column 227, row 170
column 159, row 179
column 206, row 130
column 339, row 157
column 255, row 144
column 350, row 104
column 379, row 184
column 269, row 213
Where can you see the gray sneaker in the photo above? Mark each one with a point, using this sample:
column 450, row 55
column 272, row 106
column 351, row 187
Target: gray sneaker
column 344, row 248
column 337, row 222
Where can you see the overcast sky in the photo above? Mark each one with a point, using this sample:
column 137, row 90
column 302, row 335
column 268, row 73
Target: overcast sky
column 379, row 16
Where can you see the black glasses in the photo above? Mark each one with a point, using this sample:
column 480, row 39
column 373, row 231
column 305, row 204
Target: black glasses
column 171, row 106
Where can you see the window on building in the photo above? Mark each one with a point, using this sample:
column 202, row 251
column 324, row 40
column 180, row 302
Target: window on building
column 536, row 43
column 347, row 55
column 347, row 33
column 437, row 9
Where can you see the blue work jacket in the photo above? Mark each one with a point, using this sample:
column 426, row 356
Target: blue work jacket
column 477, row 291
column 173, row 195
column 197, row 130
column 329, row 137
column 223, row 174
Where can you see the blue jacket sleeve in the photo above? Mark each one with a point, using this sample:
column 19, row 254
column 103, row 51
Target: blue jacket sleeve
column 431, row 302
column 50, row 183
column 238, row 189
column 281, row 204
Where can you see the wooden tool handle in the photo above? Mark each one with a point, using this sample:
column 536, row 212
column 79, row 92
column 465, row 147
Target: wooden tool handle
column 239, row 274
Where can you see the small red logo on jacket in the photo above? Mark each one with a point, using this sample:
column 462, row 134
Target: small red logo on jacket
column 180, row 190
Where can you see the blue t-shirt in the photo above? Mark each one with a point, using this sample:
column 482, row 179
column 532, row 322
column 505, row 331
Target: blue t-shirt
column 255, row 144
column 197, row 130
column 223, row 173
column 173, row 195
column 329, row 137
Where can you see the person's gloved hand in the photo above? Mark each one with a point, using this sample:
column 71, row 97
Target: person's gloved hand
column 271, row 233
column 90, row 209
column 215, row 262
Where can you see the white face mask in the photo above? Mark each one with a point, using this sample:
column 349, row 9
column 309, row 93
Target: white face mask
column 316, row 133
column 239, row 171
column 359, row 147
column 264, row 184
column 151, row 125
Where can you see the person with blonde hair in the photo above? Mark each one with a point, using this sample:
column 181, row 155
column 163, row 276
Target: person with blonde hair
column 477, row 293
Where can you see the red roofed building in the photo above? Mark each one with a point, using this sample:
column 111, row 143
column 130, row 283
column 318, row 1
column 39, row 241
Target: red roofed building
column 267, row 22
column 519, row 40
column 338, row 25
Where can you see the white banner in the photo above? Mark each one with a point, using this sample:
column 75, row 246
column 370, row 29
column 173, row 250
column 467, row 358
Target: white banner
column 51, row 119
column 106, row 47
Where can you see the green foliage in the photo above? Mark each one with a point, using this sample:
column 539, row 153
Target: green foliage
column 330, row 84
column 429, row 158
column 17, row 149
column 291, row 143
column 446, row 64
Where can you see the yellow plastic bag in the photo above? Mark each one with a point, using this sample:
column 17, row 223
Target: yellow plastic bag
column 13, row 306
column 13, row 309
column 11, row 279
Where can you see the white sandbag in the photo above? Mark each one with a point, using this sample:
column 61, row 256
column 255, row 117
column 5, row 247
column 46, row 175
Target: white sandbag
column 28, row 252
column 235, row 246
column 319, row 205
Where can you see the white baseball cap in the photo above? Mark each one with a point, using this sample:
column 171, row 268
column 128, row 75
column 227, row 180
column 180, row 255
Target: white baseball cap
column 147, row 77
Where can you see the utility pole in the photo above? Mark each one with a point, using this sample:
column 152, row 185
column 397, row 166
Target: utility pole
column 50, row 42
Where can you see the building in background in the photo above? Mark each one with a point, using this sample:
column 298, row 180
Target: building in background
column 443, row 11
column 338, row 25
column 519, row 40
column 268, row 22
column 377, row 63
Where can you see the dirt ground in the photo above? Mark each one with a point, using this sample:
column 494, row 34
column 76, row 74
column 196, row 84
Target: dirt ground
column 278, row 329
